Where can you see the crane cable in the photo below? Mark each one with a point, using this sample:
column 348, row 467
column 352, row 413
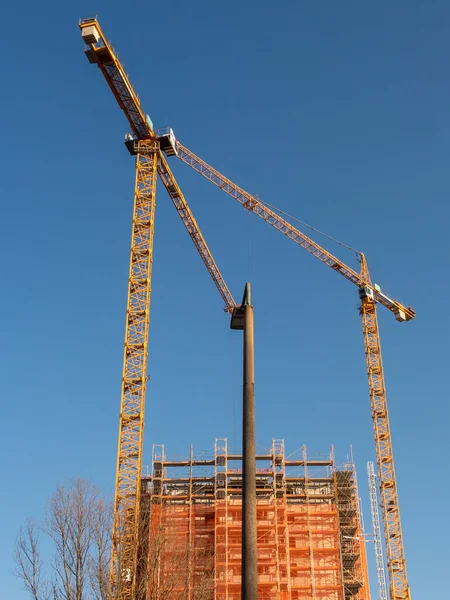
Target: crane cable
column 285, row 214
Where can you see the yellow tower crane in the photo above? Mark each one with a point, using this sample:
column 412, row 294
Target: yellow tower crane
column 148, row 146
column 149, row 161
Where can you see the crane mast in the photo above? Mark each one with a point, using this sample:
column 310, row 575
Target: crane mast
column 134, row 377
column 370, row 294
column 382, row 589
column 390, row 508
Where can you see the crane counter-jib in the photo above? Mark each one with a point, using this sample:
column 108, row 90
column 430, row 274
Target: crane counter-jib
column 100, row 52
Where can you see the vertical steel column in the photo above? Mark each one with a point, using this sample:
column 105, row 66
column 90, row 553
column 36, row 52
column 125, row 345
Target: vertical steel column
column 243, row 319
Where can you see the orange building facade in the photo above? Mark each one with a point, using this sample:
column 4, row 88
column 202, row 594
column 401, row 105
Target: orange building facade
column 309, row 533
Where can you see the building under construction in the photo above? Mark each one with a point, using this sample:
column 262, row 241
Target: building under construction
column 309, row 533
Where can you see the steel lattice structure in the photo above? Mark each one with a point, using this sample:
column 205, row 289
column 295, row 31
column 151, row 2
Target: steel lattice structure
column 134, row 378
column 176, row 195
column 390, row 508
column 252, row 204
column 381, row 579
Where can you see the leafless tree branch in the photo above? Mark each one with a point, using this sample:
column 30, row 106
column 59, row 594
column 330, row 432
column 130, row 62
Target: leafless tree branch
column 29, row 565
column 78, row 521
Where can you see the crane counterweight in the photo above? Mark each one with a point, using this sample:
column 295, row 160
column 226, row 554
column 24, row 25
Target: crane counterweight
column 90, row 34
column 167, row 141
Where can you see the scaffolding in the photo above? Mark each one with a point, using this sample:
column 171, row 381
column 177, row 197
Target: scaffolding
column 379, row 559
column 309, row 533
column 353, row 550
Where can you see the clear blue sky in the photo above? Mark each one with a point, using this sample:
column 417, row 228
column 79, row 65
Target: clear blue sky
column 337, row 112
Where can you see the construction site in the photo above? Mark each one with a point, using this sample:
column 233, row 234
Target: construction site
column 308, row 522
column 234, row 525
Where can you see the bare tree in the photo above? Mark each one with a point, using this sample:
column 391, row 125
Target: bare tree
column 179, row 568
column 99, row 560
column 167, row 563
column 29, row 565
column 204, row 573
column 78, row 522
column 71, row 523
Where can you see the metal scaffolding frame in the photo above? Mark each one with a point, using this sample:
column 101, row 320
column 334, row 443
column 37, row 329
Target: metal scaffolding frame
column 379, row 559
column 306, row 511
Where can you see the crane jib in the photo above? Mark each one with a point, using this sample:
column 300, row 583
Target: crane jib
column 254, row 205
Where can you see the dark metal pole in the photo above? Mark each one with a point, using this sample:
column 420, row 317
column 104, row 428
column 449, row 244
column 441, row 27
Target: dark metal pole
column 249, row 583
column 242, row 318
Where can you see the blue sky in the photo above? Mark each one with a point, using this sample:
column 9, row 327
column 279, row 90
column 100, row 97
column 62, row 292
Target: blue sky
column 337, row 112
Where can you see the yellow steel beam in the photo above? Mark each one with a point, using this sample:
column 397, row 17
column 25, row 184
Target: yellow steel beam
column 182, row 207
column 254, row 205
column 103, row 54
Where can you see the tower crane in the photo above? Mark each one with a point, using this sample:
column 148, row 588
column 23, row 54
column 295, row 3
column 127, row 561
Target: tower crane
column 149, row 148
column 150, row 160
